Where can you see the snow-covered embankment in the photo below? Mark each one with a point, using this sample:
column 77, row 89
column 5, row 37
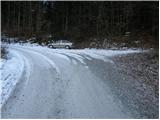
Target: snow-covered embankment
column 11, row 71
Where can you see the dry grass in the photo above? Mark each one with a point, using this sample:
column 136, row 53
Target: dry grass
column 3, row 52
column 142, row 70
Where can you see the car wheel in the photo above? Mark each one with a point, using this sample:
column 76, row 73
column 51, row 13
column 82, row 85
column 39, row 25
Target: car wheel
column 67, row 47
column 51, row 46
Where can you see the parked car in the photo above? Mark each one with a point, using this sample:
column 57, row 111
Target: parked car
column 61, row 44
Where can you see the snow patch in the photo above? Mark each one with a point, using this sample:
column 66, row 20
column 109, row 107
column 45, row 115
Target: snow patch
column 11, row 71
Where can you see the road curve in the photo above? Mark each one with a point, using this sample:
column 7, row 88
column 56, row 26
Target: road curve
column 61, row 86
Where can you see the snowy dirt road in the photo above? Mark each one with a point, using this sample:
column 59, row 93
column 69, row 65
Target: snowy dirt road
column 65, row 84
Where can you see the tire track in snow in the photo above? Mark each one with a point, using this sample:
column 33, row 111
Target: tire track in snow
column 44, row 57
column 59, row 88
column 77, row 93
column 27, row 67
column 53, row 65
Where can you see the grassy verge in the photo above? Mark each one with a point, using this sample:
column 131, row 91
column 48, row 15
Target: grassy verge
column 142, row 70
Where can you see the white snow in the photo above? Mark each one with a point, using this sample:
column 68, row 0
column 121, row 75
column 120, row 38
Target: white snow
column 63, row 56
column 80, row 54
column 49, row 61
column 74, row 61
column 72, row 88
column 89, row 54
column 11, row 71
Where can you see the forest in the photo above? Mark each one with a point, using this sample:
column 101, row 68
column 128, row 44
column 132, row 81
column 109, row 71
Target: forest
column 83, row 22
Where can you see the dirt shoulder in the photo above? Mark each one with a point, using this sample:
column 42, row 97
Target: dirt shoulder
column 142, row 70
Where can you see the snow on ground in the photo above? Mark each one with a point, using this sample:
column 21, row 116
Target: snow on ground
column 81, row 54
column 11, row 70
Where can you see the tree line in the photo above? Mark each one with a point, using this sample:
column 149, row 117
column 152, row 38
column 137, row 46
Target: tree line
column 79, row 20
